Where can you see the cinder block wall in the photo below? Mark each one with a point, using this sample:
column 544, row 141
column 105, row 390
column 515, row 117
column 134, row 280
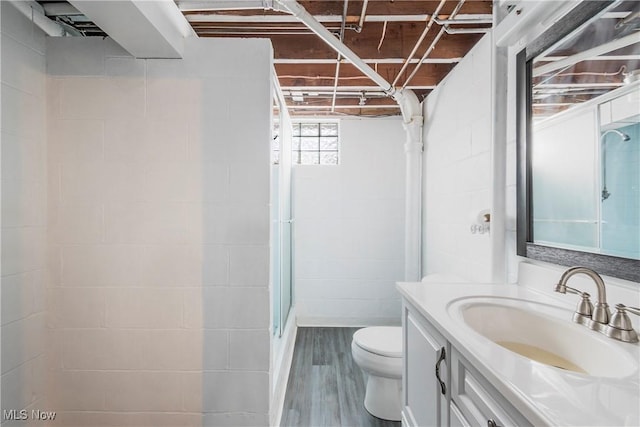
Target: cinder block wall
column 24, row 221
column 158, row 205
column 349, row 248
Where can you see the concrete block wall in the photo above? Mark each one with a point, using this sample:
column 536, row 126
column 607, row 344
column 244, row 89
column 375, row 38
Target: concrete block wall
column 349, row 228
column 23, row 225
column 457, row 168
column 158, row 208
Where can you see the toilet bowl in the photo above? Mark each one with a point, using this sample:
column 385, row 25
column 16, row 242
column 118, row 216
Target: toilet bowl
column 378, row 352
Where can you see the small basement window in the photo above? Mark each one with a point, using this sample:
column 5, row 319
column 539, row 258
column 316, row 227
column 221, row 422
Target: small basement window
column 315, row 143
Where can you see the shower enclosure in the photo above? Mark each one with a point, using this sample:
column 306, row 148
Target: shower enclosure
column 620, row 195
column 281, row 215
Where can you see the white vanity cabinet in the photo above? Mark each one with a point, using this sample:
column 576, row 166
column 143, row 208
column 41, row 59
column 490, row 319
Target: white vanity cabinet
column 441, row 388
column 475, row 401
column 489, row 385
column 424, row 398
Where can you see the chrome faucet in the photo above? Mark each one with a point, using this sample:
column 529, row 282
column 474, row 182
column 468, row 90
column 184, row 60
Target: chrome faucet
column 596, row 318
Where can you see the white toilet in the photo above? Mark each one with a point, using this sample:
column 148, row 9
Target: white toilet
column 378, row 352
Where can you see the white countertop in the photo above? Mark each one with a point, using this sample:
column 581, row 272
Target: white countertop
column 543, row 394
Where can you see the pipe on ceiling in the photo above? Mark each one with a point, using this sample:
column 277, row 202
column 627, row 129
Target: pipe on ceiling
column 465, row 30
column 207, row 17
column 294, row 8
column 187, row 5
column 349, row 88
column 377, row 61
column 34, row 12
column 411, row 111
column 264, row 19
column 344, row 107
column 208, row 32
column 464, row 21
column 419, row 42
column 349, row 94
column 433, row 43
column 363, row 14
column 265, row 30
column 345, row 8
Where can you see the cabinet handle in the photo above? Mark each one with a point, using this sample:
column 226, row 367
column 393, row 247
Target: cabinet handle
column 492, row 423
column 443, row 354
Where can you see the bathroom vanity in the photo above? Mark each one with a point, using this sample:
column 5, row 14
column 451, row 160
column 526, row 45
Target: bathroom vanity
column 504, row 355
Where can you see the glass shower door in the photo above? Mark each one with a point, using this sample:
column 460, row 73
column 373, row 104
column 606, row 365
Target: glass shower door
column 276, row 275
column 281, row 219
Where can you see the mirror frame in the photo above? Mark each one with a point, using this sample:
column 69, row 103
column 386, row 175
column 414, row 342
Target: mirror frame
column 623, row 268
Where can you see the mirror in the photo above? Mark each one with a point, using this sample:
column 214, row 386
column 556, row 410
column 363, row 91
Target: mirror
column 579, row 141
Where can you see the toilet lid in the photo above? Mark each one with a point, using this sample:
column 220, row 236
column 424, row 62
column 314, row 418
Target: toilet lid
column 382, row 340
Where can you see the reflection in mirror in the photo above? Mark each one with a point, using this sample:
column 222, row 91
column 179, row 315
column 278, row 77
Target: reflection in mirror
column 583, row 140
column 586, row 178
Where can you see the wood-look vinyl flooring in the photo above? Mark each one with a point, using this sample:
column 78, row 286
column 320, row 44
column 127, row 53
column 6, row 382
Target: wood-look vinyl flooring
column 326, row 387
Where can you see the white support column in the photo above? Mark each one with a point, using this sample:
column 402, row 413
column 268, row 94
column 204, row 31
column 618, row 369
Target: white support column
column 411, row 109
column 413, row 200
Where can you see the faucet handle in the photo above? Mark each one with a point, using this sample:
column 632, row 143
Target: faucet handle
column 584, row 310
column 626, row 308
column 620, row 326
column 585, row 307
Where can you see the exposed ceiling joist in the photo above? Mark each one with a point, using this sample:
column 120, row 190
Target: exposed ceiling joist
column 323, row 74
column 369, row 61
column 248, row 19
column 334, row 7
column 383, row 32
column 348, row 88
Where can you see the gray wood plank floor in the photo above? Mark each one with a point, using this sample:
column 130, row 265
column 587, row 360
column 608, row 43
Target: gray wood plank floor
column 326, row 387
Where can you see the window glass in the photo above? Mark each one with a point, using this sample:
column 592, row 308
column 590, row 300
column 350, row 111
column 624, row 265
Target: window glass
column 315, row 143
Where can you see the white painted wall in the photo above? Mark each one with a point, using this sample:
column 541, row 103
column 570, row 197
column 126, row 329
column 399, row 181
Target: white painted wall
column 457, row 168
column 24, row 221
column 159, row 239
column 349, row 229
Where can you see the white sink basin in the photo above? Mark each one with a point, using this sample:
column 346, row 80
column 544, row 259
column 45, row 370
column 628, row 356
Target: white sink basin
column 545, row 334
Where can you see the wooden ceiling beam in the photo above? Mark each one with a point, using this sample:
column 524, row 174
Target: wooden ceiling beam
column 323, row 74
column 359, row 112
column 388, row 7
column 340, row 101
column 398, row 42
column 385, row 7
column 316, row 71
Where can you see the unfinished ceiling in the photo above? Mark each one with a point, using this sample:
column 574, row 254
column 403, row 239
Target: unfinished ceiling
column 413, row 44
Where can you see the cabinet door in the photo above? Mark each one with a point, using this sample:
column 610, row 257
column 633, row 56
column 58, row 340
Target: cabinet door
column 424, row 400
